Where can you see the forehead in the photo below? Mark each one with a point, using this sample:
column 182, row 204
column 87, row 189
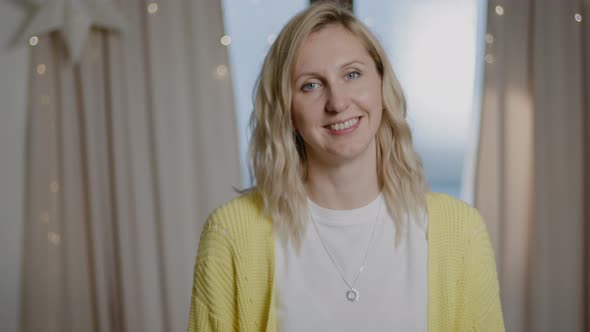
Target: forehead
column 330, row 46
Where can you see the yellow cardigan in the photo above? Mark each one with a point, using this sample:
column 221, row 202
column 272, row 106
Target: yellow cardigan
column 233, row 279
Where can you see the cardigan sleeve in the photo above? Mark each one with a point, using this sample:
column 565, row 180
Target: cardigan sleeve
column 482, row 289
column 213, row 297
column 201, row 319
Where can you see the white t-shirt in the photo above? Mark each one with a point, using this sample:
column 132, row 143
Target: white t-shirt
column 311, row 295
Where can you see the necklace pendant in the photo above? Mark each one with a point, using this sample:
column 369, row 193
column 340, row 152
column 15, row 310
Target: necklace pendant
column 352, row 295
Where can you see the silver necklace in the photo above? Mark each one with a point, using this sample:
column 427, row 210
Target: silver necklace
column 352, row 294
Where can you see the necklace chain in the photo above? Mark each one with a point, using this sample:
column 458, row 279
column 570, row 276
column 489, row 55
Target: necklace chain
column 352, row 294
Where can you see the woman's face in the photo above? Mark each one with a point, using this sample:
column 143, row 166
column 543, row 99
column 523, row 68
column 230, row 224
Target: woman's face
column 336, row 104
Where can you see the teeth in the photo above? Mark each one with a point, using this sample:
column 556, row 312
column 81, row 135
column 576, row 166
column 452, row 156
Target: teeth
column 344, row 125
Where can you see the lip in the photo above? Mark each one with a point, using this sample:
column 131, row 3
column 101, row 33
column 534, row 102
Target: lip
column 347, row 130
column 342, row 121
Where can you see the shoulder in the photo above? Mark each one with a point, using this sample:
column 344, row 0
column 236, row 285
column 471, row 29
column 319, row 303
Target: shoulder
column 248, row 204
column 237, row 224
column 449, row 212
column 222, row 258
column 244, row 210
column 453, row 224
column 457, row 233
column 234, row 262
column 463, row 263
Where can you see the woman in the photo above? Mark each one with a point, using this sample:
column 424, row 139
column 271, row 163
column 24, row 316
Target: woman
column 340, row 232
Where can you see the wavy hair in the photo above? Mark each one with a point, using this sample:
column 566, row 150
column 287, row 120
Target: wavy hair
column 277, row 155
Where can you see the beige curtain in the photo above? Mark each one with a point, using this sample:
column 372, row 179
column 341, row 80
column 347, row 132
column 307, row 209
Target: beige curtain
column 532, row 183
column 127, row 153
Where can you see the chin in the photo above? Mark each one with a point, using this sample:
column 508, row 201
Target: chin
column 350, row 153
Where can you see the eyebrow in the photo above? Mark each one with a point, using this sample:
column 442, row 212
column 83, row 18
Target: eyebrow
column 342, row 66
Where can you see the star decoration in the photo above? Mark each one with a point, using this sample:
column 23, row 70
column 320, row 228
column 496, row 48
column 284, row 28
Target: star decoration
column 74, row 19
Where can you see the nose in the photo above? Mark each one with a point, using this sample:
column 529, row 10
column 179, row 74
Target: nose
column 338, row 98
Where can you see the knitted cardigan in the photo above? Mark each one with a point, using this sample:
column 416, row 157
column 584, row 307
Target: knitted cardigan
column 233, row 286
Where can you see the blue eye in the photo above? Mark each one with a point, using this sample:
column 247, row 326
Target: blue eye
column 309, row 86
column 352, row 75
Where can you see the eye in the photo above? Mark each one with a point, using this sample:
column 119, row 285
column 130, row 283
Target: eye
column 310, row 86
column 353, row 75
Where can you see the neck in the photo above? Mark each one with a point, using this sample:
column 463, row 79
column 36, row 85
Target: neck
column 344, row 186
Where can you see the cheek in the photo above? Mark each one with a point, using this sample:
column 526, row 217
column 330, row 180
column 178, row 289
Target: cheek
column 295, row 114
column 302, row 114
column 293, row 119
column 296, row 118
column 369, row 93
column 373, row 95
column 371, row 100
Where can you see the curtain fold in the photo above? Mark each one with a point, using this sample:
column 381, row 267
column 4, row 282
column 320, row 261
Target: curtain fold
column 128, row 151
column 531, row 161
column 585, row 39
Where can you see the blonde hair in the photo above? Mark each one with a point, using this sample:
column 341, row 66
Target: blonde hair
column 277, row 155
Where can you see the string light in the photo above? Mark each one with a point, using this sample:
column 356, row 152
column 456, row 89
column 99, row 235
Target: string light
column 54, row 186
column 53, row 238
column 489, row 58
column 152, row 8
column 41, row 68
column 225, row 40
column 500, row 10
column 33, row 41
column 489, row 38
column 221, row 71
column 578, row 17
column 45, row 100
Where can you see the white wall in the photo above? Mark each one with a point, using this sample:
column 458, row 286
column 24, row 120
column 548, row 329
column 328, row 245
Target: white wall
column 14, row 63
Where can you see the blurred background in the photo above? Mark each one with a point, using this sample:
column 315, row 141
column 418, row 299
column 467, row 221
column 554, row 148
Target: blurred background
column 123, row 123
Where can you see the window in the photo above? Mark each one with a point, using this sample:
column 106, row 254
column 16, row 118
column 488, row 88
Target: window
column 436, row 48
column 252, row 26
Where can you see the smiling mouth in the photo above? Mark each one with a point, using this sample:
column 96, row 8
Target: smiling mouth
column 343, row 125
